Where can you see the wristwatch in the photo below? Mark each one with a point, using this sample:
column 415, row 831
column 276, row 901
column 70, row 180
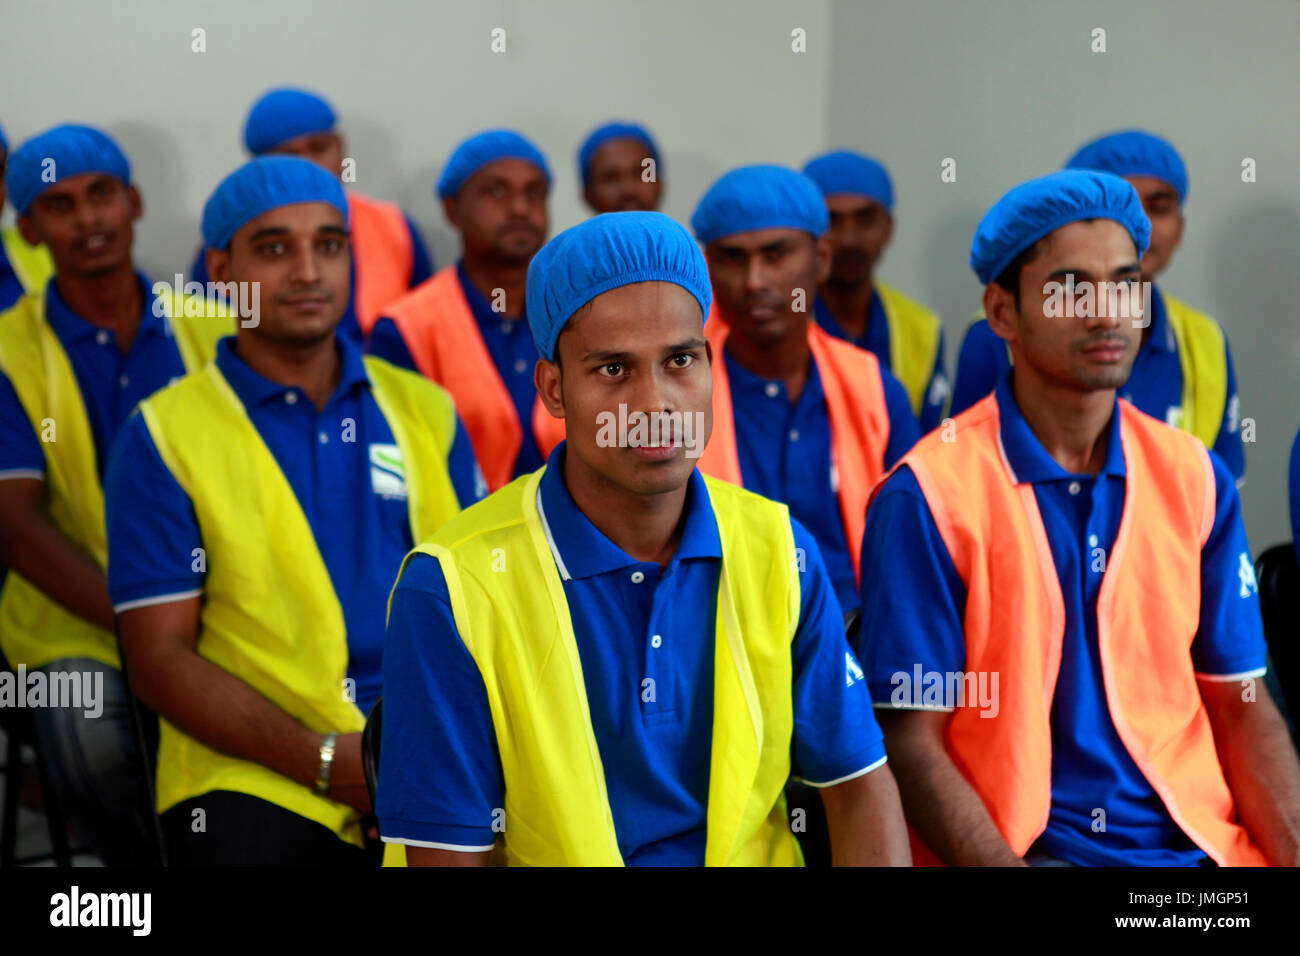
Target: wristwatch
column 326, row 763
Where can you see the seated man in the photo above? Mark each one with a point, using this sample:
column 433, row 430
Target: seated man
column 620, row 169
column 801, row 416
column 1059, row 612
column 258, row 511
column 75, row 358
column 1183, row 372
column 466, row 328
column 851, row 304
column 614, row 660
column 23, row 266
column 388, row 255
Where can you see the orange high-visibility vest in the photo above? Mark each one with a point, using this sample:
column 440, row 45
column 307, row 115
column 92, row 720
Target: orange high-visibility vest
column 1147, row 617
column 383, row 256
column 440, row 331
column 855, row 400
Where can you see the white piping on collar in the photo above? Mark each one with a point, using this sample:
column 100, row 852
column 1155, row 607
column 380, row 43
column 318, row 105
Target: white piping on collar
column 550, row 539
column 1002, row 453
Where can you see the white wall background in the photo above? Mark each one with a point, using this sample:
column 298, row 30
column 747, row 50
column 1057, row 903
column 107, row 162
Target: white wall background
column 1008, row 88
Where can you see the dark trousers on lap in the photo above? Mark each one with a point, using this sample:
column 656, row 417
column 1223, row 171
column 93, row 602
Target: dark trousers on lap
column 243, row 830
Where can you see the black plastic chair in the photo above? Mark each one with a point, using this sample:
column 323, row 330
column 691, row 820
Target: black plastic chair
column 1277, row 572
column 144, row 723
column 371, row 735
column 20, row 730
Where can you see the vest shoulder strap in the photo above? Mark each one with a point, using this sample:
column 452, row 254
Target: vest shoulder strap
column 385, row 256
column 1203, row 356
column 913, row 341
column 31, row 264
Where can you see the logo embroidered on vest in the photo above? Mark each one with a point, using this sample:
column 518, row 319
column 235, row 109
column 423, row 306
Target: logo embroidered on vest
column 387, row 474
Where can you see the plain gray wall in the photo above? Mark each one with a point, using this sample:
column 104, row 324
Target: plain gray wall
column 1008, row 89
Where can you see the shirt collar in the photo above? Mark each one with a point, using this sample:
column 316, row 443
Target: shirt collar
column 72, row 328
column 480, row 306
column 1025, row 455
column 254, row 389
column 583, row 551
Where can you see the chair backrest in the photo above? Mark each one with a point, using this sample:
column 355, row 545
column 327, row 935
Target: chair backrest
column 371, row 736
column 147, row 748
column 1277, row 573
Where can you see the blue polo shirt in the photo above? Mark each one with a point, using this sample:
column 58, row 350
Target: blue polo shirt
column 514, row 354
column 1295, row 493
column 10, row 288
column 876, row 341
column 421, row 269
column 111, row 382
column 785, row 454
column 440, row 775
column 913, row 605
column 362, row 532
column 1155, row 384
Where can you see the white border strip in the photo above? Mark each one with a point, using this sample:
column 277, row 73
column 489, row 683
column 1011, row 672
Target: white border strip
column 22, row 473
column 555, row 552
column 1226, row 678
column 437, row 846
column 158, row 599
column 852, row 776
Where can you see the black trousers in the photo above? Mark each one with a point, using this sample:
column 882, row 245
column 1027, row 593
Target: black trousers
column 242, row 830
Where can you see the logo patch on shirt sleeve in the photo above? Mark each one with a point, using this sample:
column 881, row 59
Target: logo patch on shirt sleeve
column 387, row 473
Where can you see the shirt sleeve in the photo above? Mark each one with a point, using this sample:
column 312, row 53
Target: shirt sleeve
column 937, row 392
column 981, row 362
column 1229, row 642
column 903, row 428
column 155, row 549
column 1228, row 444
column 21, row 455
column 386, row 342
column 421, row 261
column 440, row 782
column 836, row 736
column 913, row 600
column 466, row 476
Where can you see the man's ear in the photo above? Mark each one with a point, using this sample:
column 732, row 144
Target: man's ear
column 218, row 263
column 1178, row 239
column 1000, row 310
column 27, row 229
column 889, row 232
column 586, row 197
column 822, row 250
column 137, row 203
column 550, row 386
column 450, row 209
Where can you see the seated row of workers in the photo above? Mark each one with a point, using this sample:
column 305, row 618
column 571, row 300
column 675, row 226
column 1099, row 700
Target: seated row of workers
column 764, row 232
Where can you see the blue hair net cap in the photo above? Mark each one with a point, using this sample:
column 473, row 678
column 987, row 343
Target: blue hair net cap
column 284, row 114
column 73, row 150
column 483, row 148
column 1041, row 206
column 607, row 252
column 844, row 171
column 611, row 131
column 1134, row 152
column 261, row 185
column 760, row 197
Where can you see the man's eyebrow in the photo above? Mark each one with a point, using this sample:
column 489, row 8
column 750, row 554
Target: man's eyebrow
column 332, row 230
column 607, row 356
column 267, row 232
column 686, row 346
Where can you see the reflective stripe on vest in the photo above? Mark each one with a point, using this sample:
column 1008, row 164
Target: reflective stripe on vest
column 855, row 400
column 383, row 256
column 1203, row 357
column 518, row 629
column 34, row 629
column 913, row 342
column 1147, row 618
column 270, row 614
column 32, row 265
column 443, row 337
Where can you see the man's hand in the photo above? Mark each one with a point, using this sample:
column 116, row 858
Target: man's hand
column 347, row 776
